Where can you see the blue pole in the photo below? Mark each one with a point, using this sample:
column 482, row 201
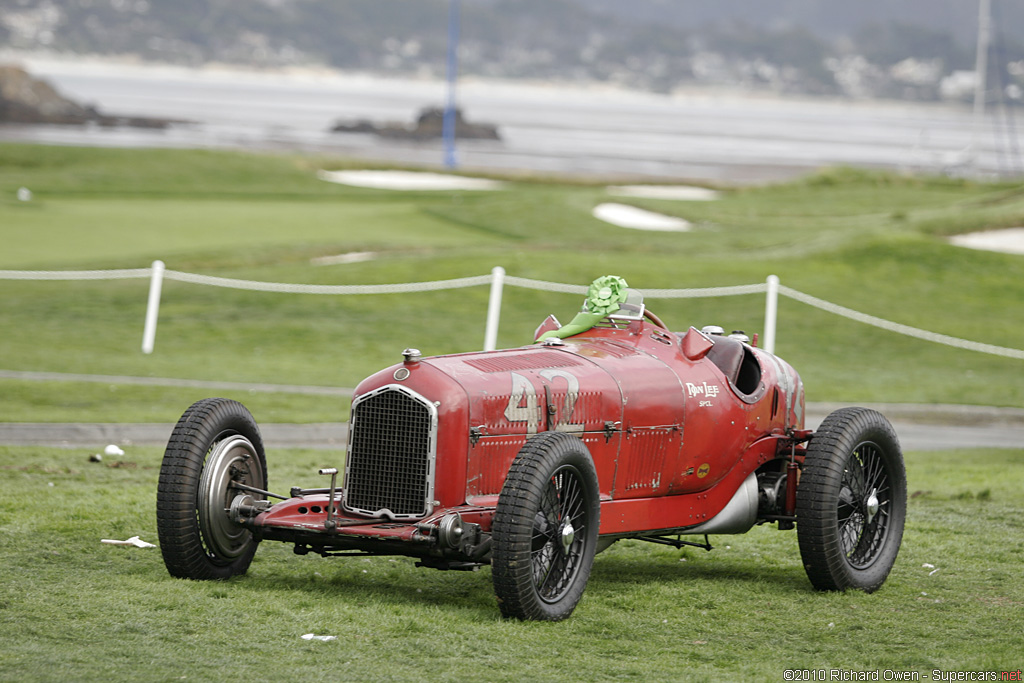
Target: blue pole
column 448, row 127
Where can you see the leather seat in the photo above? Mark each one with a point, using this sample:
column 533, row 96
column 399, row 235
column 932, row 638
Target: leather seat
column 727, row 354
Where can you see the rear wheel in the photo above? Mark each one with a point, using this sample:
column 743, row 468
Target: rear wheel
column 545, row 529
column 215, row 445
column 851, row 502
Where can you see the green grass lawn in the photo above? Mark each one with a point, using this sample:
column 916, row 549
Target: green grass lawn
column 72, row 608
column 868, row 241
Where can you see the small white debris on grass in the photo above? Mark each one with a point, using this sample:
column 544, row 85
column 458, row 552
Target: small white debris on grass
column 323, row 639
column 24, row 194
column 407, row 180
column 626, row 216
column 926, row 565
column 686, row 193
column 133, row 541
column 112, row 450
column 933, row 571
column 831, row 624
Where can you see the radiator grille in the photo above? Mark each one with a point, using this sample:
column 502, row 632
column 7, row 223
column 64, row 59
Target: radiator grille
column 389, row 467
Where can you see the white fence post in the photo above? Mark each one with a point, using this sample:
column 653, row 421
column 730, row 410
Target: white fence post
column 153, row 307
column 494, row 308
column 771, row 309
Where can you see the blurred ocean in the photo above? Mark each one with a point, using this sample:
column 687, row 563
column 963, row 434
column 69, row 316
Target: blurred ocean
column 728, row 138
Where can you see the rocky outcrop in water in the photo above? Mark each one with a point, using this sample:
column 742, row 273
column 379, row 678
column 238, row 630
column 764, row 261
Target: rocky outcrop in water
column 28, row 100
column 429, row 126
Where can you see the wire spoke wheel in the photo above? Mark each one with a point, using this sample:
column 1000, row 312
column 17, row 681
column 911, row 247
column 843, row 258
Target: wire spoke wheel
column 556, row 551
column 851, row 501
column 215, row 446
column 545, row 529
column 863, row 513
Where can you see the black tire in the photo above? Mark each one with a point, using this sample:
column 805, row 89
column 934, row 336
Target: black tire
column 215, row 443
column 545, row 529
column 851, row 502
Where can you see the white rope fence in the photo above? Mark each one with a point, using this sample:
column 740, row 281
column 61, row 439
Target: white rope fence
column 497, row 279
column 900, row 328
column 126, row 274
column 283, row 288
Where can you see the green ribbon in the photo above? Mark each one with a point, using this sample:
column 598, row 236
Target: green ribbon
column 604, row 296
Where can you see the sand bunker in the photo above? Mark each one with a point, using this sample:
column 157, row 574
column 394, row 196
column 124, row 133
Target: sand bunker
column 407, row 180
column 686, row 193
column 1010, row 241
column 638, row 219
column 341, row 259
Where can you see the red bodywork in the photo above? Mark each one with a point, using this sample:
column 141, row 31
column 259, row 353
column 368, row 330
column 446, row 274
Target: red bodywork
column 676, row 425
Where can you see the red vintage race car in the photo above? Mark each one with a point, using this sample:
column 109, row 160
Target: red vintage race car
column 536, row 458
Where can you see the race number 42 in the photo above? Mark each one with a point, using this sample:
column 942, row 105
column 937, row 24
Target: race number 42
column 524, row 405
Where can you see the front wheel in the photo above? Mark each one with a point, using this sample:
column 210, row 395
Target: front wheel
column 851, row 502
column 545, row 529
column 215, row 446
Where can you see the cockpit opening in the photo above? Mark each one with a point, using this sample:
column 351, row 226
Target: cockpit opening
column 738, row 363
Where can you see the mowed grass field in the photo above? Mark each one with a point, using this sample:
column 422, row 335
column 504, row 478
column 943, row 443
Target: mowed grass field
column 73, row 608
column 868, row 241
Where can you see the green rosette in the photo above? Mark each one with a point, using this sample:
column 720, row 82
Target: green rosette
column 603, row 297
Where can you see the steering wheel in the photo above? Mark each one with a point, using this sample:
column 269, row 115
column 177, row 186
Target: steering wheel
column 654, row 319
